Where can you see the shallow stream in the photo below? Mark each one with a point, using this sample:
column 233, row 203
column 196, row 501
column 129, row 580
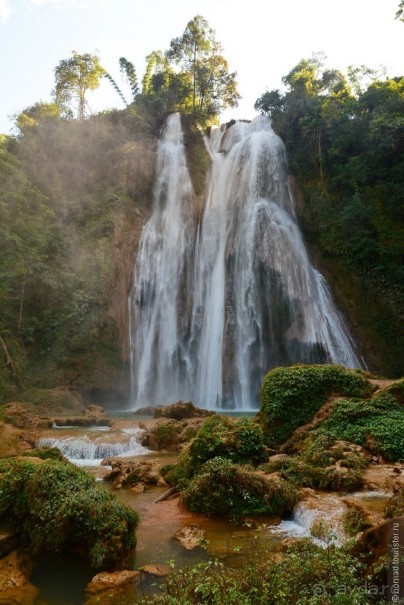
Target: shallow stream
column 62, row 580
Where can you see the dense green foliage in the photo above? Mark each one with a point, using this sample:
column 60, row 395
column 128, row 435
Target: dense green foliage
column 215, row 472
column 307, row 575
column 377, row 424
column 191, row 77
column 322, row 463
column 74, row 77
column 222, row 487
column 343, row 135
column 291, row 396
column 55, row 507
column 69, row 193
column 240, row 441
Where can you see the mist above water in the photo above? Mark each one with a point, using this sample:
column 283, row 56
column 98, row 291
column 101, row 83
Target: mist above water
column 216, row 304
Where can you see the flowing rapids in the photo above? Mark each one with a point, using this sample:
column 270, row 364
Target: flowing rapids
column 84, row 451
column 218, row 301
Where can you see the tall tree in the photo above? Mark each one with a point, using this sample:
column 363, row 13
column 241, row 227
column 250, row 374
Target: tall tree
column 128, row 70
column 74, row 77
column 198, row 54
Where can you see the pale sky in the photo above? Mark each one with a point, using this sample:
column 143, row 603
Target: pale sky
column 262, row 40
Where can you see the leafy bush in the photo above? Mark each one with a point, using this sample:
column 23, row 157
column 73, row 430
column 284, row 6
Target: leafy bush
column 322, row 463
column 56, row 507
column 307, row 575
column 291, row 396
column 45, row 453
column 355, row 520
column 237, row 491
column 376, row 424
column 240, row 441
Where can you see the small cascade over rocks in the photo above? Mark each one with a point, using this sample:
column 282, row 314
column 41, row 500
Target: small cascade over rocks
column 216, row 304
column 84, row 451
column 319, row 518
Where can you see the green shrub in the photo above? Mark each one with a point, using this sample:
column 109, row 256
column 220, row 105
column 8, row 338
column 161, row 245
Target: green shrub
column 55, row 507
column 316, row 464
column 307, row 575
column 397, row 390
column 291, row 396
column 45, row 453
column 240, row 441
column 166, row 433
column 376, row 424
column 223, row 487
column 355, row 520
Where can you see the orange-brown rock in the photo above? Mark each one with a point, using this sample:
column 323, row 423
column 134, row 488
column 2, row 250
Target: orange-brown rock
column 180, row 411
column 105, row 580
column 372, row 544
column 15, row 588
column 93, row 415
column 190, row 537
column 128, row 473
column 116, row 587
column 156, row 570
column 20, row 416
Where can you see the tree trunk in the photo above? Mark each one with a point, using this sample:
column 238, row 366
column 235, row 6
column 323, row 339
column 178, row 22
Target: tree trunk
column 167, row 494
column 9, row 362
column 24, row 281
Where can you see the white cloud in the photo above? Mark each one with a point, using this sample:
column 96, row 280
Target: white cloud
column 5, row 11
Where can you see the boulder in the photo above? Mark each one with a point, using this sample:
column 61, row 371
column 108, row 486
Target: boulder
column 104, row 580
column 395, row 504
column 8, row 541
column 93, row 415
column 190, row 537
column 116, row 587
column 15, row 588
column 156, row 570
column 180, row 411
column 169, row 434
column 372, row 544
column 129, row 473
column 20, row 416
column 146, row 411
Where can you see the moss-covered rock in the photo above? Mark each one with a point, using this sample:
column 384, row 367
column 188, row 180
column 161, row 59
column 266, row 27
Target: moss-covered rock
column 322, row 463
column 54, row 507
column 291, row 396
column 223, row 487
column 376, row 424
column 240, row 441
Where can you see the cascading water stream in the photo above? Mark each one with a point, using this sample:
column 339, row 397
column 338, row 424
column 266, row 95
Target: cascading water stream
column 215, row 305
column 83, row 451
column 163, row 274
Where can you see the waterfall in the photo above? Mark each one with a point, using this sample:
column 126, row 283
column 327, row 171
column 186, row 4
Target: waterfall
column 163, row 273
column 215, row 305
column 84, row 451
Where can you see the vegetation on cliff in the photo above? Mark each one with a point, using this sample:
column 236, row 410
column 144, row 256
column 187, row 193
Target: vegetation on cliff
column 343, row 135
column 55, row 507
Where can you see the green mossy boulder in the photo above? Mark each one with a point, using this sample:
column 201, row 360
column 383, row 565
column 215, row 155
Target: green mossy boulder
column 223, row 487
column 291, row 396
column 54, row 506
